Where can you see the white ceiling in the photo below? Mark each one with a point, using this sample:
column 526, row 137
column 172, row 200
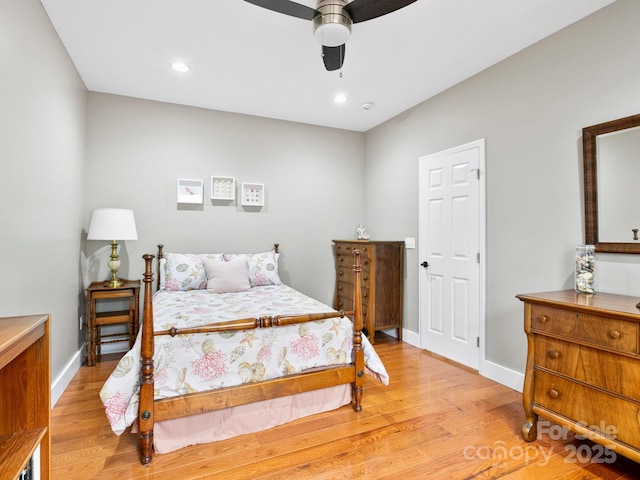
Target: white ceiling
column 247, row 59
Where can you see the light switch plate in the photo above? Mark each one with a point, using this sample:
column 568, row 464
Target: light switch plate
column 410, row 243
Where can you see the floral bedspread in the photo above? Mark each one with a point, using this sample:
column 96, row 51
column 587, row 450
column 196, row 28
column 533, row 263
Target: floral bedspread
column 193, row 363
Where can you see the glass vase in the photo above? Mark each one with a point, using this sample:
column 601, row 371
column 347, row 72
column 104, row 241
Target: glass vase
column 586, row 269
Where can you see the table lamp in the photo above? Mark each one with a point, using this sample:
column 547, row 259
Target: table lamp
column 112, row 224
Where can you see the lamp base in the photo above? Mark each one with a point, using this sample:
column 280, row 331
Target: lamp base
column 114, row 264
column 114, row 283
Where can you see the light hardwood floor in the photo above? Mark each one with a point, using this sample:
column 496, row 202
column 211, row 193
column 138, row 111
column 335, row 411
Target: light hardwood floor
column 433, row 421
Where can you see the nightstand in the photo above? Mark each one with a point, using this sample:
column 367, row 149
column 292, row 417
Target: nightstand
column 97, row 317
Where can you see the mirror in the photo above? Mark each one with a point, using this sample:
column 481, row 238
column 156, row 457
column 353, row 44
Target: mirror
column 611, row 173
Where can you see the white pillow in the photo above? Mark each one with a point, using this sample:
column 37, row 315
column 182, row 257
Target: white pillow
column 185, row 271
column 227, row 277
column 263, row 267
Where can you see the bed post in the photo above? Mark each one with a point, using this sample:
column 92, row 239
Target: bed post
column 160, row 257
column 145, row 410
column 358, row 353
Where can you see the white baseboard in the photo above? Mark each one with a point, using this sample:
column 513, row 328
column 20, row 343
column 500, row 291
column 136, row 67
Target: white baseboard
column 491, row 370
column 60, row 384
column 412, row 338
column 501, row 374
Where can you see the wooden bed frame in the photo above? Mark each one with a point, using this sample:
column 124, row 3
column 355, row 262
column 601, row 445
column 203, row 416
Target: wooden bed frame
column 151, row 410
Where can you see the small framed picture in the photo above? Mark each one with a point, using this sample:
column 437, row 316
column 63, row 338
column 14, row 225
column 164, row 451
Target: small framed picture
column 189, row 191
column 253, row 194
column 223, row 188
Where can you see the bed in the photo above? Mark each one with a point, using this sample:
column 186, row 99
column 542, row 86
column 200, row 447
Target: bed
column 225, row 348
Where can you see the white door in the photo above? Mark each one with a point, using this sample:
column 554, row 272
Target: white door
column 450, row 252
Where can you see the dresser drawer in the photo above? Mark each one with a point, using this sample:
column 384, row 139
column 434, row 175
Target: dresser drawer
column 345, row 293
column 346, row 262
column 346, row 304
column 598, row 368
column 347, row 249
column 346, row 275
column 612, row 333
column 589, row 407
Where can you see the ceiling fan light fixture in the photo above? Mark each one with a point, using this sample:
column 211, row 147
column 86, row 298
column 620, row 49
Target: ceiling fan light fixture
column 332, row 24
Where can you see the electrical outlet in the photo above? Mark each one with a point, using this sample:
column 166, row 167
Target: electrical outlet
column 410, row 243
column 81, row 321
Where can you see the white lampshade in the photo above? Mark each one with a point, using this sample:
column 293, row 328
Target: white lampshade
column 112, row 224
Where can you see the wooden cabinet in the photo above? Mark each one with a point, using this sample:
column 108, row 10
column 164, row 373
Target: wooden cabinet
column 97, row 316
column 25, row 395
column 382, row 282
column 583, row 367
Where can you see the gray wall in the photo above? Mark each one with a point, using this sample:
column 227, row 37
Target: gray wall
column 42, row 182
column 531, row 109
column 320, row 182
column 313, row 178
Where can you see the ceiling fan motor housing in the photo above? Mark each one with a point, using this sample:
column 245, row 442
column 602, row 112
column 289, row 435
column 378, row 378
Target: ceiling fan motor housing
column 332, row 24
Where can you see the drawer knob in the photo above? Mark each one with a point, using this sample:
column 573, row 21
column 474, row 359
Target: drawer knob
column 542, row 318
column 553, row 393
column 340, row 288
column 554, row 354
column 614, row 334
column 341, row 273
column 365, row 278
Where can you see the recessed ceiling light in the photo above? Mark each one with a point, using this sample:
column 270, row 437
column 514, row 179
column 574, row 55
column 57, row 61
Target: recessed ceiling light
column 180, row 67
column 340, row 98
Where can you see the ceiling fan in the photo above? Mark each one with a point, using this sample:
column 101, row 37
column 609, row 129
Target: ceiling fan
column 332, row 20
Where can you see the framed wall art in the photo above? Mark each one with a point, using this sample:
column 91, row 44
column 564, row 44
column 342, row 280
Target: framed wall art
column 223, row 188
column 190, row 191
column 252, row 194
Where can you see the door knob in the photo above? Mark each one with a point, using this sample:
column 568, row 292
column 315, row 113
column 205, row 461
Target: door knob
column 425, row 264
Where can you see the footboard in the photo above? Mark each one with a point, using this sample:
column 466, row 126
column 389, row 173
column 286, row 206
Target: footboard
column 151, row 411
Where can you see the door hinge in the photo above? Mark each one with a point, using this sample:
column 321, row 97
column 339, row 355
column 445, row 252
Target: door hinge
column 477, row 170
column 478, row 342
column 478, row 257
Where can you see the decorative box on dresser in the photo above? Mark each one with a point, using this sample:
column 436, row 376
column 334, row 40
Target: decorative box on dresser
column 25, row 398
column 382, row 266
column 583, row 367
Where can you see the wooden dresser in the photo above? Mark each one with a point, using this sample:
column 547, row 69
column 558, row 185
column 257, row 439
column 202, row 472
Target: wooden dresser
column 583, row 367
column 25, row 395
column 382, row 282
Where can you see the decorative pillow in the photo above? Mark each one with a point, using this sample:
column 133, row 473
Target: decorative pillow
column 185, row 271
column 263, row 267
column 227, row 277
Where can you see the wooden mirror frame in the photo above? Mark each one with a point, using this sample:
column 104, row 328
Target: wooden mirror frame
column 590, row 166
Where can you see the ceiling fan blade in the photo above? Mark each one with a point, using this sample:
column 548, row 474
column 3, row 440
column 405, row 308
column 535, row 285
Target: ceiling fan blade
column 333, row 57
column 287, row 7
column 363, row 10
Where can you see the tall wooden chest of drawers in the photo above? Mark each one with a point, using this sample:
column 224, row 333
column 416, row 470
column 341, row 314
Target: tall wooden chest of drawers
column 583, row 367
column 382, row 282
